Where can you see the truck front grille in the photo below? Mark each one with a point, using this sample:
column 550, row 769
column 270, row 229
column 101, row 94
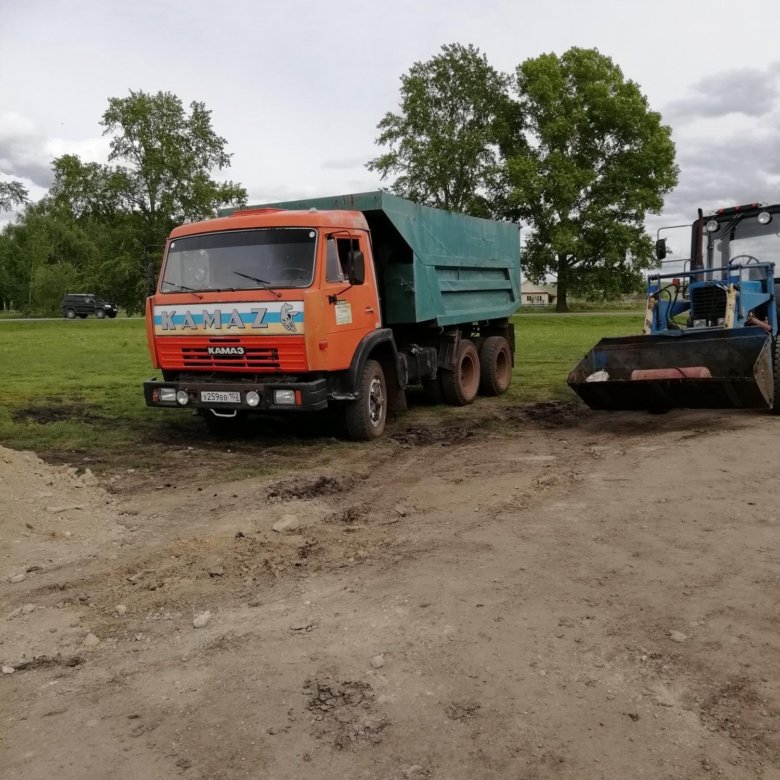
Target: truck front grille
column 285, row 353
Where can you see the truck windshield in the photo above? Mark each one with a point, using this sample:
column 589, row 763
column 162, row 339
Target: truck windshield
column 240, row 260
column 744, row 241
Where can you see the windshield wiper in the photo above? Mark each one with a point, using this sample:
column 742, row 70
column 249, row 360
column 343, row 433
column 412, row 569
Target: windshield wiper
column 262, row 282
column 185, row 289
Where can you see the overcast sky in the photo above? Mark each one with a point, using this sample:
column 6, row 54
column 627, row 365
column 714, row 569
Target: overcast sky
column 297, row 88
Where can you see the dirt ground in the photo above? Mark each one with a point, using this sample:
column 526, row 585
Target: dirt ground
column 540, row 592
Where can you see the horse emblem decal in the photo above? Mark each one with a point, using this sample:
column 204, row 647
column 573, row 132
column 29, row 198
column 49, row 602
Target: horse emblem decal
column 286, row 317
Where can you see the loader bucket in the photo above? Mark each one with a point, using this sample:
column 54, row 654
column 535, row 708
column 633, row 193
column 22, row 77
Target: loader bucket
column 724, row 369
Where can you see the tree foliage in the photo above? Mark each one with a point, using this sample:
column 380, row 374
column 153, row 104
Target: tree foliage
column 12, row 195
column 442, row 148
column 95, row 227
column 167, row 157
column 587, row 162
column 567, row 145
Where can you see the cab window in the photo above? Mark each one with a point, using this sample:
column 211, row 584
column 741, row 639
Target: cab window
column 336, row 262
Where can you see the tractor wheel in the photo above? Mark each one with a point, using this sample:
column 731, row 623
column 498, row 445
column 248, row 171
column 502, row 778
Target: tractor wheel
column 495, row 363
column 776, row 375
column 70, row 314
column 366, row 416
column 460, row 386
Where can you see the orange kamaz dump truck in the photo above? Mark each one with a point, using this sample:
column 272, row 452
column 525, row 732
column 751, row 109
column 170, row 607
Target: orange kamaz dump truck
column 332, row 303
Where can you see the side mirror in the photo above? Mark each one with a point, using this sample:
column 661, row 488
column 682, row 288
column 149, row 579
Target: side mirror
column 356, row 268
column 150, row 286
column 660, row 249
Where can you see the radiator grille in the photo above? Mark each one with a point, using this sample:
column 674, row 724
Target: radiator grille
column 708, row 303
column 261, row 355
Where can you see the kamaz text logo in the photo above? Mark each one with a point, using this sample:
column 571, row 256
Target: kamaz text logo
column 276, row 318
column 230, row 351
column 213, row 319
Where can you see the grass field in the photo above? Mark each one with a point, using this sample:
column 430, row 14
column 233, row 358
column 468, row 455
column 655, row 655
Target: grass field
column 74, row 388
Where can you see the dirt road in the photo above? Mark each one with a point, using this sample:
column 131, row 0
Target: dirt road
column 535, row 593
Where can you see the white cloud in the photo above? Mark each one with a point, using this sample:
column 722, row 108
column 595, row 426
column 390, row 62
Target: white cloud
column 90, row 150
column 22, row 150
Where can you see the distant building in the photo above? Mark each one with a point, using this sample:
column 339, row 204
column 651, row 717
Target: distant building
column 531, row 295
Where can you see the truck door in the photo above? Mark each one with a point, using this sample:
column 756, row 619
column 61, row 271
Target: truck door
column 350, row 311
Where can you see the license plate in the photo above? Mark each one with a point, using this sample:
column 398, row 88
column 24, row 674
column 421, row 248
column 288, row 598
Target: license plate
column 219, row 397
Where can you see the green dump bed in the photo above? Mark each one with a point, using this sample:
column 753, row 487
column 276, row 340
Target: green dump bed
column 435, row 266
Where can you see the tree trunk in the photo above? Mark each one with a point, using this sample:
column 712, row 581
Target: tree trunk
column 561, row 304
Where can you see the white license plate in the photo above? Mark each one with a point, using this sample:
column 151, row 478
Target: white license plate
column 219, row 397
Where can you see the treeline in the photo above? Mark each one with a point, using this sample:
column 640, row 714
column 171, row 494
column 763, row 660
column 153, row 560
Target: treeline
column 566, row 145
column 100, row 225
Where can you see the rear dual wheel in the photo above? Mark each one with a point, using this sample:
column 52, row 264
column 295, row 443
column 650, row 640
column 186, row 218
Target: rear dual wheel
column 495, row 363
column 461, row 385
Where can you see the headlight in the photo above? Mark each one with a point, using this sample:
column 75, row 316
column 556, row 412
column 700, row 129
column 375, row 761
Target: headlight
column 712, row 226
column 167, row 395
column 252, row 398
column 764, row 218
column 182, row 398
column 284, row 397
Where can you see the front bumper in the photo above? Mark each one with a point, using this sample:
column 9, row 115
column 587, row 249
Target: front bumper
column 309, row 396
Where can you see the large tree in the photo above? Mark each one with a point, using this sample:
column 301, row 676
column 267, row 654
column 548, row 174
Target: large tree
column 167, row 156
column 159, row 174
column 586, row 162
column 441, row 144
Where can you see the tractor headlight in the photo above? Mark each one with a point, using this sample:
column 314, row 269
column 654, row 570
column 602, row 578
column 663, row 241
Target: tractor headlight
column 182, row 398
column 712, row 225
column 764, row 218
column 252, row 398
column 167, row 395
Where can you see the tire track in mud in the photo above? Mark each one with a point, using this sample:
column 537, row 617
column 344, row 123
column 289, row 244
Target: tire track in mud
column 435, row 541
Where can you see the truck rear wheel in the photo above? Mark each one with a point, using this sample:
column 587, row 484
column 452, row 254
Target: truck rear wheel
column 366, row 416
column 495, row 364
column 460, row 385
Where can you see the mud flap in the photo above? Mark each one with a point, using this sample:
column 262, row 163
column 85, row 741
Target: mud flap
column 723, row 369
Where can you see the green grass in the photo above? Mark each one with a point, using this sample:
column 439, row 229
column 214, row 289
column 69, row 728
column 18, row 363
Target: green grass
column 548, row 346
column 74, row 389
column 74, row 386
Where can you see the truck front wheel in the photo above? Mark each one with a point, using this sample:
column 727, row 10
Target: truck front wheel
column 460, row 385
column 495, row 362
column 366, row 416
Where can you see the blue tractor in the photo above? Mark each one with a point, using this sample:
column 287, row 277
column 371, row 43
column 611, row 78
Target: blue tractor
column 710, row 331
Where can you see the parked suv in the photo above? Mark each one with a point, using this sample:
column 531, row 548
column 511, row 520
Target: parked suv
column 83, row 304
